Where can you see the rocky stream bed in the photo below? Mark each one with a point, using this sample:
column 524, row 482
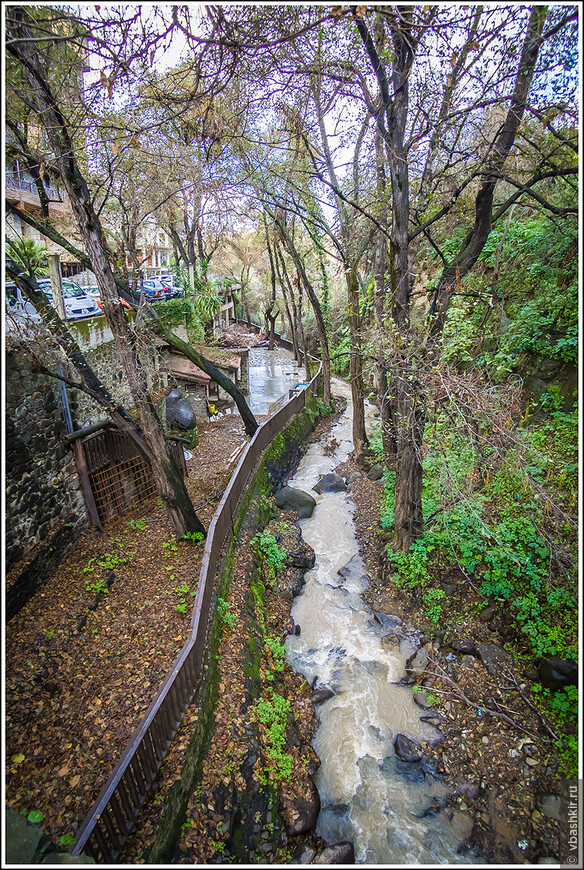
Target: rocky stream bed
column 256, row 801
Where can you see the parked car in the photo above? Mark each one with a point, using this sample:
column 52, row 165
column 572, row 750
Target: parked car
column 163, row 285
column 173, row 288
column 20, row 309
column 95, row 294
column 152, row 292
column 77, row 304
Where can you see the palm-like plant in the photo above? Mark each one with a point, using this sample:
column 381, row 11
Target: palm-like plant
column 28, row 256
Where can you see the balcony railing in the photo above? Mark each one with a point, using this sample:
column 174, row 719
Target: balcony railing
column 16, row 183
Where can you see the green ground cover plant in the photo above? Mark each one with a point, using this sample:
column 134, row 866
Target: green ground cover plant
column 273, row 556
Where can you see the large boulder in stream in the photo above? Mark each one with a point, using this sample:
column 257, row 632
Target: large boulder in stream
column 340, row 853
column 300, row 807
column 290, row 499
column 330, row 483
column 406, row 749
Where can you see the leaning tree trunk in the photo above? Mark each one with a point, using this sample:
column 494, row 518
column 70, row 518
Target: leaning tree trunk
column 165, row 332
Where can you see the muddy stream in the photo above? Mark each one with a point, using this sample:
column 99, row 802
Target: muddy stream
column 389, row 809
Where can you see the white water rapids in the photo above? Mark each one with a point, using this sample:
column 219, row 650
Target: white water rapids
column 367, row 795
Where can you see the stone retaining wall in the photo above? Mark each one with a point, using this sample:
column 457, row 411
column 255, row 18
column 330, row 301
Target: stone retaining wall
column 102, row 359
column 42, row 487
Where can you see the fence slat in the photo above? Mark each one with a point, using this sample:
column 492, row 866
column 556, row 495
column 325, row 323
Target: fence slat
column 126, row 789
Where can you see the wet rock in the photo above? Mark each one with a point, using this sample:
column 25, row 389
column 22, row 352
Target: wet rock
column 494, row 657
column 549, row 805
column 557, row 673
column 416, row 664
column 290, row 584
column 387, row 620
column 330, row 483
column 376, row 732
column 300, row 810
column 487, row 614
column 22, row 838
column 423, row 700
column 429, row 812
column 376, row 473
column 313, row 762
column 353, row 569
column 410, row 771
column 406, row 749
column 290, row 498
column 340, row 853
column 429, row 769
column 391, row 640
column 247, row 765
column 302, row 558
column 321, row 695
column 406, row 645
column 303, row 854
column 531, row 674
column 464, row 645
column 431, row 720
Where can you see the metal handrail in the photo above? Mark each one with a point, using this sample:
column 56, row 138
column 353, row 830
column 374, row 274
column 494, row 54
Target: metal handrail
column 113, row 814
column 53, row 193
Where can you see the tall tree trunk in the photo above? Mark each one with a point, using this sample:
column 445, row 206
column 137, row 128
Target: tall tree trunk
column 270, row 318
column 326, row 359
column 388, row 431
column 360, row 440
column 305, row 354
column 404, row 407
column 169, row 482
column 477, row 236
column 407, row 508
column 291, row 320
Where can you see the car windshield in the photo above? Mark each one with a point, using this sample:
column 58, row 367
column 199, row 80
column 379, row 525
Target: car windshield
column 72, row 291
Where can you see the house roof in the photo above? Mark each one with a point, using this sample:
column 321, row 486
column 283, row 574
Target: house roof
column 183, row 367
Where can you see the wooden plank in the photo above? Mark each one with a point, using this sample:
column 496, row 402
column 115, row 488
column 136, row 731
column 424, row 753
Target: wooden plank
column 85, row 484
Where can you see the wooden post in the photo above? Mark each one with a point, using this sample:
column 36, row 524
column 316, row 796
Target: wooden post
column 56, row 283
column 85, row 483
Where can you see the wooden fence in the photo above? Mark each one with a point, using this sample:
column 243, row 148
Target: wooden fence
column 106, row 827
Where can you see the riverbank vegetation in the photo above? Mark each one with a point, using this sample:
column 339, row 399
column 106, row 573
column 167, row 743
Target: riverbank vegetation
column 395, row 190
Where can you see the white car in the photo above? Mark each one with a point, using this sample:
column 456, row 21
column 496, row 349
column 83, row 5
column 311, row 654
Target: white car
column 77, row 303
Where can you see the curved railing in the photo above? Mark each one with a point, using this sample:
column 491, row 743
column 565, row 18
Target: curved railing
column 116, row 808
